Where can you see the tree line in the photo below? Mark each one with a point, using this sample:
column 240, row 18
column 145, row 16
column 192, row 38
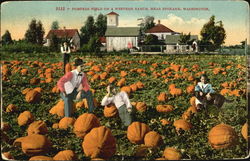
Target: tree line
column 213, row 34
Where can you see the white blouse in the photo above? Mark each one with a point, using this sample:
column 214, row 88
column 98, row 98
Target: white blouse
column 119, row 99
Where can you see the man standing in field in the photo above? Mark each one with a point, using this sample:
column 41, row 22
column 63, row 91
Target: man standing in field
column 74, row 85
column 65, row 50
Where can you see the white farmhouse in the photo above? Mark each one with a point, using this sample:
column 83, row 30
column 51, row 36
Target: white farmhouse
column 120, row 38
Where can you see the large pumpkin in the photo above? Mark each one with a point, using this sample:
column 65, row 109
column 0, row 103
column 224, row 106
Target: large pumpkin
column 37, row 127
column 244, row 131
column 65, row 155
column 33, row 96
column 84, row 123
column 182, row 124
column 222, row 136
column 33, row 144
column 65, row 122
column 164, row 108
column 40, row 157
column 152, row 139
column 172, row 154
column 25, row 118
column 99, row 143
column 110, row 111
column 136, row 132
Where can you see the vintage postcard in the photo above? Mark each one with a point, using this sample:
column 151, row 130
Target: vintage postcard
column 124, row 80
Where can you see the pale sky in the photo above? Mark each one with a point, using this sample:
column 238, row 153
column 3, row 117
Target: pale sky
column 16, row 15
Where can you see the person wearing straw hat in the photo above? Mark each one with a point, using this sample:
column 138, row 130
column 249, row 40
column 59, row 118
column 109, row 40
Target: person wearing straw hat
column 74, row 85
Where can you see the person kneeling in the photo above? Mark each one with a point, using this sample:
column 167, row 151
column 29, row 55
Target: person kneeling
column 74, row 85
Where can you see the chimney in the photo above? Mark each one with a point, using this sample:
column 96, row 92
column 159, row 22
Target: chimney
column 159, row 21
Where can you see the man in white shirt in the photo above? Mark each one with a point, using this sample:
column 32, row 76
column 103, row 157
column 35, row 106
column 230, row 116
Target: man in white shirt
column 74, row 85
column 65, row 50
column 122, row 103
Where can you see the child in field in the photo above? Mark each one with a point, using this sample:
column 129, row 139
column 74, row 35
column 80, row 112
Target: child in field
column 122, row 103
column 74, row 85
column 202, row 91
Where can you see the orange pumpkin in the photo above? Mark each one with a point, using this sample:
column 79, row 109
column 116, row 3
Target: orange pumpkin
column 136, row 132
column 110, row 111
column 175, row 92
column 67, row 68
column 222, row 136
column 55, row 90
column 139, row 85
column 182, row 124
column 133, row 87
column 192, row 109
column 33, row 144
column 103, row 75
column 153, row 139
column 126, row 89
column 33, row 96
column 38, row 89
column 84, row 123
column 141, row 106
column 244, row 131
column 99, row 142
column 112, row 79
column 123, row 74
column 121, row 82
column 11, row 108
column 37, row 127
column 55, row 126
column 40, row 157
column 25, row 118
column 165, row 122
column 164, row 108
column 190, row 89
column 58, row 109
column 192, row 101
column 65, row 155
column 26, row 90
column 172, row 154
column 65, row 122
column 162, row 97
column 186, row 115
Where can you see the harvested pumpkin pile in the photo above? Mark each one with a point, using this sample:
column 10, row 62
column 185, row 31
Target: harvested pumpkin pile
column 166, row 123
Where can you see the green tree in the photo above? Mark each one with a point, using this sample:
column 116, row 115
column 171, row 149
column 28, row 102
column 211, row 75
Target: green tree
column 94, row 44
column 39, row 33
column 6, row 38
column 55, row 42
column 185, row 38
column 213, row 34
column 30, row 35
column 88, row 30
column 151, row 40
column 55, row 25
column 101, row 25
column 35, row 32
column 146, row 23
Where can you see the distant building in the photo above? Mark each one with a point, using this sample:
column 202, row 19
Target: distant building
column 120, row 38
column 161, row 31
column 71, row 34
column 172, row 43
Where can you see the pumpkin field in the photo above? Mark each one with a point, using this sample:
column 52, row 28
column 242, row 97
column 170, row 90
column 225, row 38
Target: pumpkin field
column 166, row 124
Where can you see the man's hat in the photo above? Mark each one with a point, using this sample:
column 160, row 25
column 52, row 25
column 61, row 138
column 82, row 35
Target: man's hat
column 78, row 62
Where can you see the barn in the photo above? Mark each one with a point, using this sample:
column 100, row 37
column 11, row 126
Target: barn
column 120, row 38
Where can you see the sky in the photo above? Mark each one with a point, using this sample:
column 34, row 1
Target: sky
column 16, row 15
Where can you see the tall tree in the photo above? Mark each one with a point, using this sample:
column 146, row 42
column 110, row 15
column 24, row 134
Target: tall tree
column 101, row 25
column 55, row 25
column 213, row 34
column 30, row 35
column 88, row 30
column 6, row 38
column 39, row 33
column 146, row 23
column 35, row 32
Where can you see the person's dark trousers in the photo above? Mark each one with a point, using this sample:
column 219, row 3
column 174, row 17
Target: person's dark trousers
column 68, row 101
column 65, row 60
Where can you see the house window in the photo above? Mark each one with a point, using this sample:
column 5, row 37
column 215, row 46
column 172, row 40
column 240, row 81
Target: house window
column 162, row 36
column 187, row 47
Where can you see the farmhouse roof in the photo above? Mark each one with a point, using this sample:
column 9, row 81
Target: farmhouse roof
column 174, row 39
column 159, row 28
column 113, row 13
column 122, row 31
column 61, row 33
